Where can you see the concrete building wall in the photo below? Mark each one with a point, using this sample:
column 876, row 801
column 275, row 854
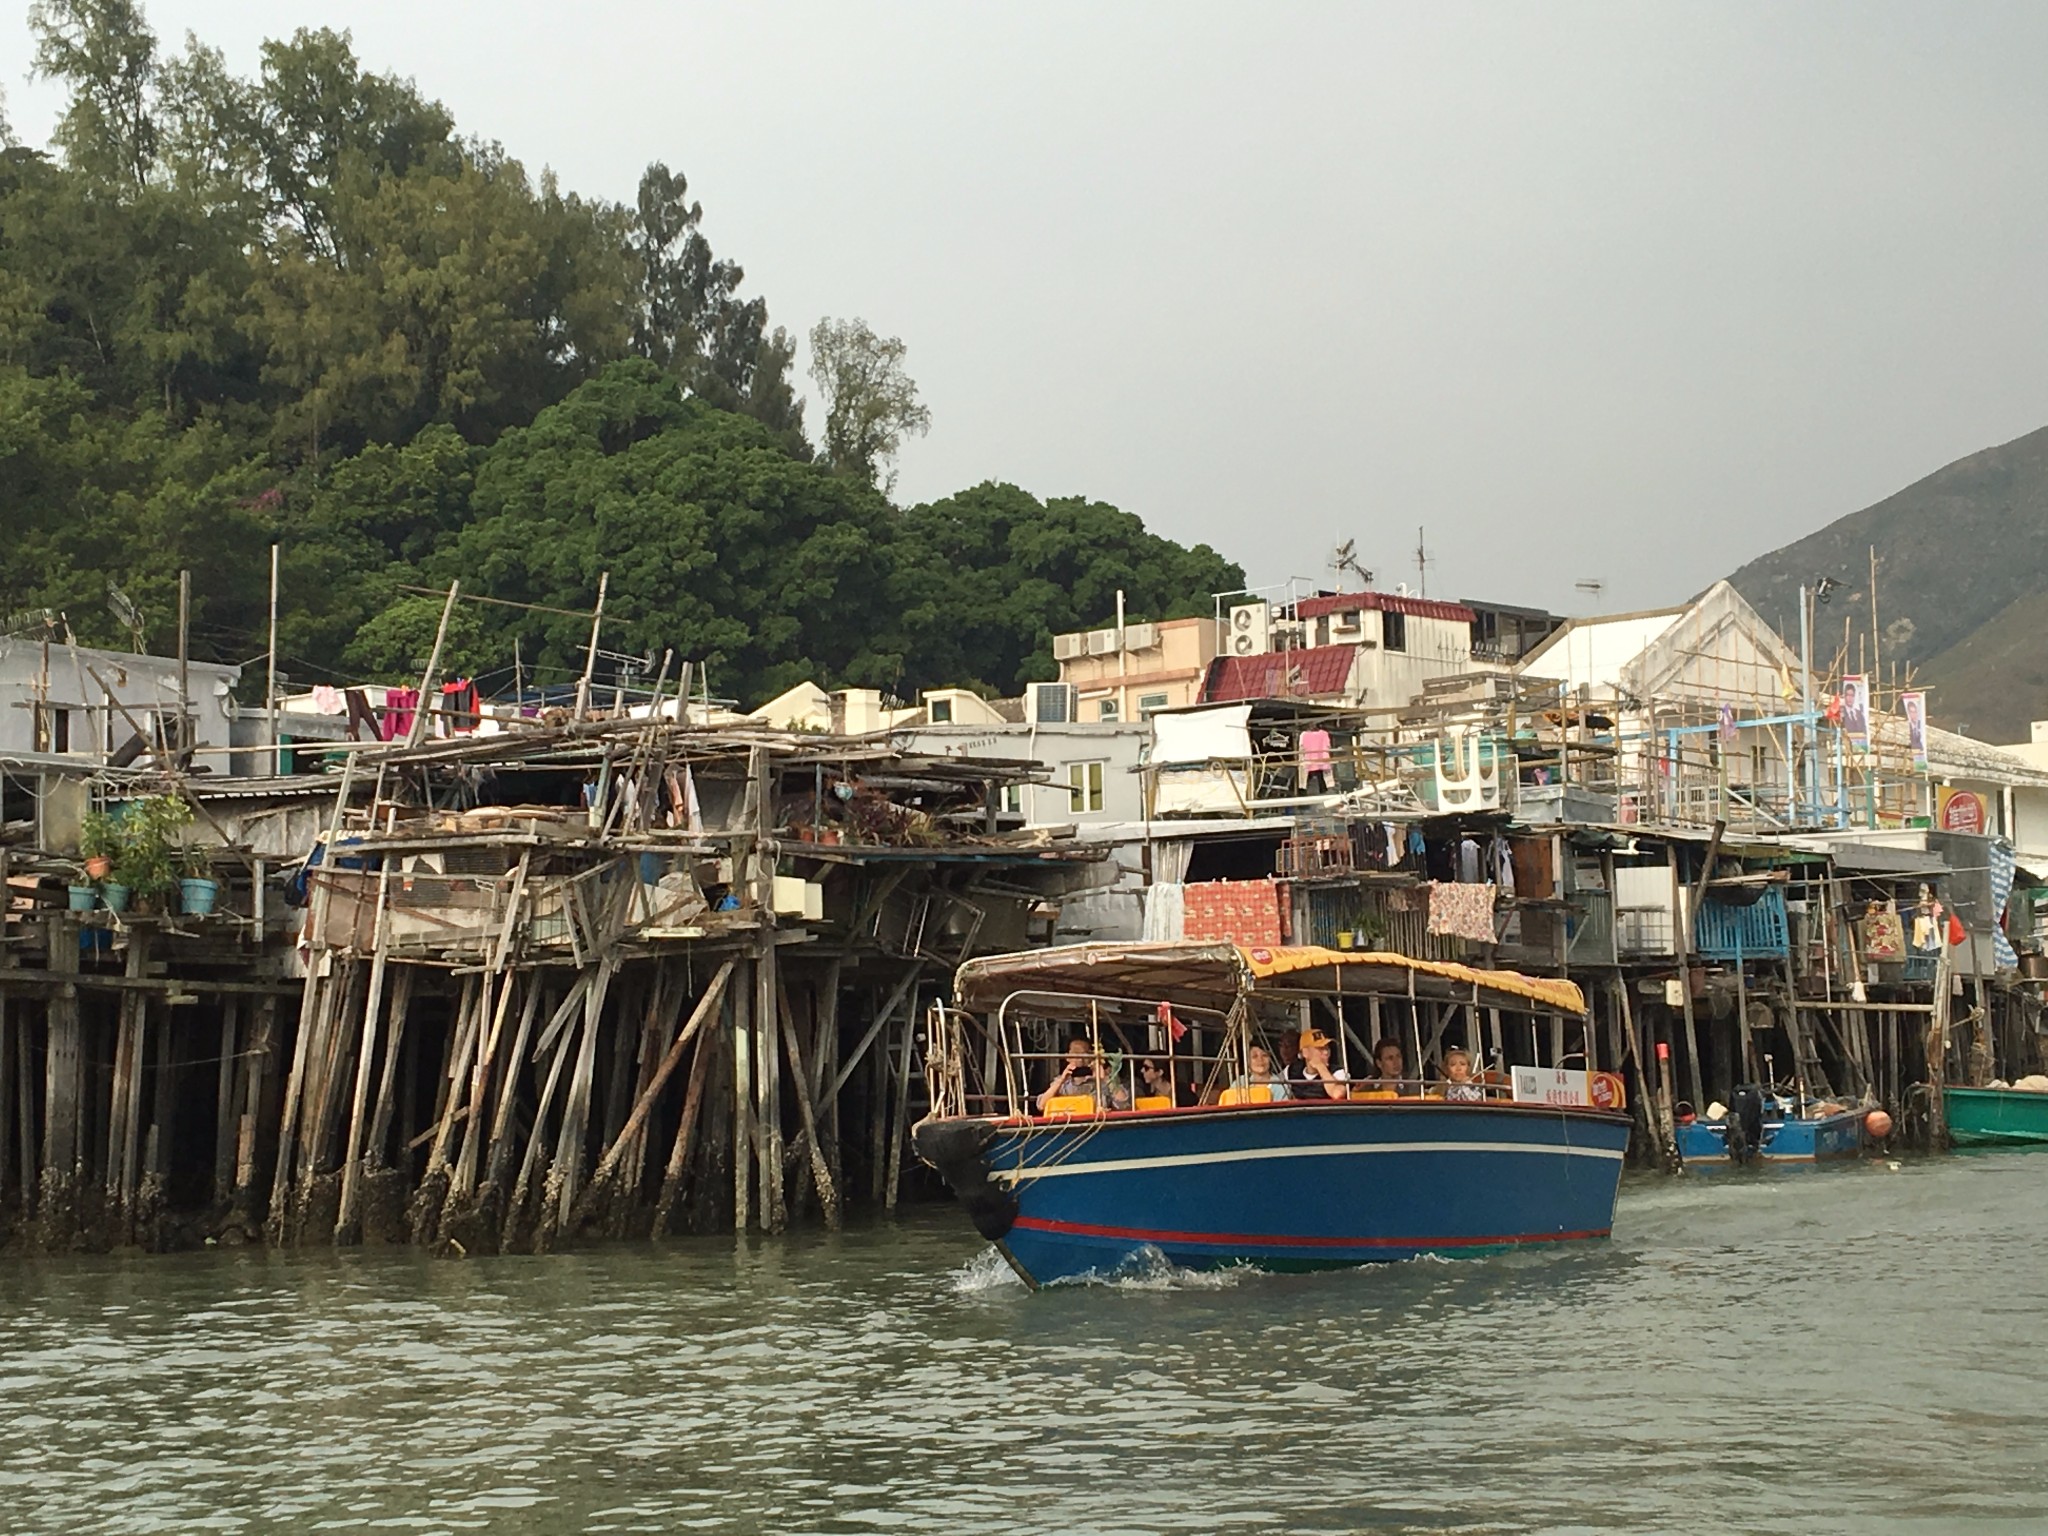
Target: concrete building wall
column 1093, row 768
column 68, row 700
column 1137, row 681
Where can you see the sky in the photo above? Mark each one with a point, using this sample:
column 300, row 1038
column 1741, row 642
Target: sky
column 1614, row 294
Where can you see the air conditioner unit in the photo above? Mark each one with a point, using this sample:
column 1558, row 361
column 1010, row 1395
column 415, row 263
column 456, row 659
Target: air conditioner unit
column 1250, row 632
column 1101, row 642
column 1052, row 703
column 1140, row 637
column 1067, row 647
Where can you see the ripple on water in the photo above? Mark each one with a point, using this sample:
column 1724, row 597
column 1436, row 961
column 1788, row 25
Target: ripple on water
column 1846, row 1351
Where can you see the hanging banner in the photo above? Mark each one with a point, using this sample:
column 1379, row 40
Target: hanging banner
column 1961, row 810
column 1856, row 708
column 1914, row 707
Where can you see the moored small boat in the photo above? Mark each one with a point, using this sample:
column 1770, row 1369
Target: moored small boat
column 1996, row 1117
column 1770, row 1126
column 1068, row 1184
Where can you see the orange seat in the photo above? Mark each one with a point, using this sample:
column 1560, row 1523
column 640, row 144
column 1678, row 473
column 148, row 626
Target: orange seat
column 1152, row 1101
column 1374, row 1093
column 1070, row 1104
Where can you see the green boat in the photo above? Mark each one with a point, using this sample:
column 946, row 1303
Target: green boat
column 1996, row 1117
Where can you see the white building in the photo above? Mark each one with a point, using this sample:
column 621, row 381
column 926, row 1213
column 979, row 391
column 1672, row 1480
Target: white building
column 84, row 705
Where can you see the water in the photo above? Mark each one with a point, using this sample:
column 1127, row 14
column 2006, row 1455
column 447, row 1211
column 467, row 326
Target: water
column 1857, row 1349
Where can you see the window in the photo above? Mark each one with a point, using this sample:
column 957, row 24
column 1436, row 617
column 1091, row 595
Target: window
column 1012, row 803
column 939, row 711
column 1149, row 704
column 1393, row 631
column 1084, row 786
column 1106, row 710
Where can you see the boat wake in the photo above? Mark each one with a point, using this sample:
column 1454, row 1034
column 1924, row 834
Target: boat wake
column 1146, row 1270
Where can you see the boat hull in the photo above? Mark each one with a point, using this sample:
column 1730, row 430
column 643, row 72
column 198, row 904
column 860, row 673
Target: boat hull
column 1702, row 1143
column 1996, row 1117
column 1285, row 1186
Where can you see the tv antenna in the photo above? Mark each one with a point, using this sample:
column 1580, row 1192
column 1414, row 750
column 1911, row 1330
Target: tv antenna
column 125, row 614
column 1346, row 559
column 1422, row 559
column 1592, row 586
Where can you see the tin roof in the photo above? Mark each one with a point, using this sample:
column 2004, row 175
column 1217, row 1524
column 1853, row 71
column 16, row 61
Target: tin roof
column 1317, row 671
column 1382, row 602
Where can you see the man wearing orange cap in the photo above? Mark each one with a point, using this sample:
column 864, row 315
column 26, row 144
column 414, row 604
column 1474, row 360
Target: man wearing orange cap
column 1312, row 1076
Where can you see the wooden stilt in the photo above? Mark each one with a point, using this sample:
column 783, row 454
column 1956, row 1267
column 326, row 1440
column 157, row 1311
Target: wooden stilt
column 64, row 1081
column 565, row 1177
column 821, row 1172
column 376, row 1145
column 708, row 1004
column 226, row 1122
column 743, row 1137
column 693, row 1098
column 900, row 1125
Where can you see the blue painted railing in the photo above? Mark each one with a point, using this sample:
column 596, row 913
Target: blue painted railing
column 1724, row 931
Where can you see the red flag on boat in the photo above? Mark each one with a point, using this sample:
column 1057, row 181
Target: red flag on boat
column 1174, row 1028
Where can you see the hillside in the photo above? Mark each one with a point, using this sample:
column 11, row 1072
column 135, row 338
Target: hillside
column 1962, row 573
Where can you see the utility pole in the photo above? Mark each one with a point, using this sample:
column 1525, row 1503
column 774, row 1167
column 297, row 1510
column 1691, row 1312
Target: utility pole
column 270, row 678
column 184, row 666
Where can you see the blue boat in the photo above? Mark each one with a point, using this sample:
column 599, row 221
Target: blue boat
column 1069, row 1185
column 1772, row 1126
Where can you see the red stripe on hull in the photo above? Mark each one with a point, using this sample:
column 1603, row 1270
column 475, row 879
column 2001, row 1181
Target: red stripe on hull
column 1254, row 1239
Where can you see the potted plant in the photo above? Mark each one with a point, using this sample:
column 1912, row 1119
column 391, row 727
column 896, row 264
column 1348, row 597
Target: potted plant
column 197, row 890
column 151, row 859
column 99, row 844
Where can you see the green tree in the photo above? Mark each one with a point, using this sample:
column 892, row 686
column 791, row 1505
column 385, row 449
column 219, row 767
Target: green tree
column 987, row 577
column 871, row 404
column 105, row 52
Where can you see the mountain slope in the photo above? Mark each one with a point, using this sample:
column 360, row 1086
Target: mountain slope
column 1960, row 554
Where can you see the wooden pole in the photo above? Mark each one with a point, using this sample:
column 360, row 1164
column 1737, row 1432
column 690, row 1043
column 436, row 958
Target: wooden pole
column 185, row 739
column 270, row 674
column 635, row 1121
column 604, row 582
column 900, row 1124
column 821, row 1171
column 427, row 678
column 366, row 1056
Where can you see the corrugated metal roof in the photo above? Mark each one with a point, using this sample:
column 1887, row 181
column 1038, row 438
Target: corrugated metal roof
column 1382, row 602
column 1318, row 671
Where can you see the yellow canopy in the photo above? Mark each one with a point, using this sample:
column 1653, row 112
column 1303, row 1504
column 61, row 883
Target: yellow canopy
column 1214, row 973
column 1298, row 959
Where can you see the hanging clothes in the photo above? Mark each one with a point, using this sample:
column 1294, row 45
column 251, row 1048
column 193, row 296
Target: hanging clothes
column 1461, row 911
column 1468, row 860
column 326, row 699
column 1504, row 867
column 362, row 717
column 400, row 704
column 458, row 705
column 1418, row 849
column 1315, row 761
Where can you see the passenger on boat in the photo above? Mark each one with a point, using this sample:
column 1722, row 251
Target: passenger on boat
column 1155, row 1082
column 1459, row 1084
column 1262, row 1075
column 1310, row 1075
column 1389, row 1058
column 1079, row 1074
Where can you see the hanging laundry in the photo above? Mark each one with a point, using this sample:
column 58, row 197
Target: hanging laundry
column 1504, row 867
column 458, row 704
column 1468, row 860
column 326, row 699
column 1315, row 761
column 1418, row 849
column 400, row 704
column 1461, row 911
column 1884, row 936
column 1393, row 834
column 361, row 716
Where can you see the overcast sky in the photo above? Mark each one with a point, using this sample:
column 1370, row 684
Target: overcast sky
column 1626, row 292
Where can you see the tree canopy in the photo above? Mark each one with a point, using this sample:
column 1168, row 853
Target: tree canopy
column 302, row 308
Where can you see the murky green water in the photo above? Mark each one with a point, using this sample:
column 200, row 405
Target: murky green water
column 1860, row 1349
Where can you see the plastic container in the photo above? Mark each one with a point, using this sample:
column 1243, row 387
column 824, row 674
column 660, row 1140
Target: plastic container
column 115, row 896
column 196, row 896
column 84, row 897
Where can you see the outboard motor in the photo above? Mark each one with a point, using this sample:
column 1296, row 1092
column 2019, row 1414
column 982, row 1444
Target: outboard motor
column 1745, row 1137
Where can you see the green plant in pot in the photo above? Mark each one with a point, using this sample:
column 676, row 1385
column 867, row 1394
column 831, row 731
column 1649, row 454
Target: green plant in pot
column 197, row 890
column 152, row 857
column 99, row 844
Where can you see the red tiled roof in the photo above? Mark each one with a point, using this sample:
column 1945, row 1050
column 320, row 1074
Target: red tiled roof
column 1320, row 671
column 1385, row 602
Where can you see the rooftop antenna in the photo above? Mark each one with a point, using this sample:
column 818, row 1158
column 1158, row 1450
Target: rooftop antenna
column 1346, row 559
column 125, row 614
column 1422, row 558
column 1592, row 586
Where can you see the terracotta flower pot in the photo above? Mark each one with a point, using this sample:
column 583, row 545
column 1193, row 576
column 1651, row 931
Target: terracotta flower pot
column 98, row 867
